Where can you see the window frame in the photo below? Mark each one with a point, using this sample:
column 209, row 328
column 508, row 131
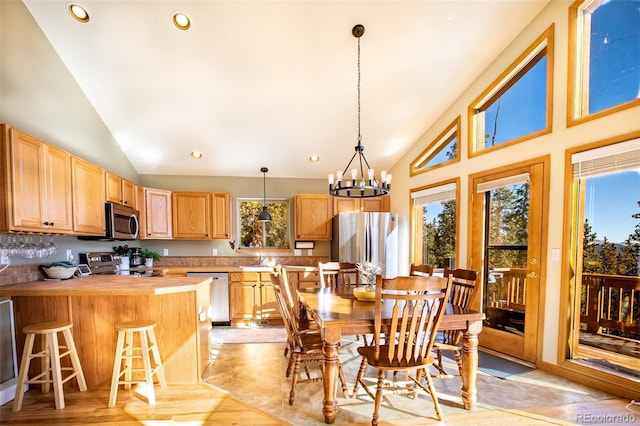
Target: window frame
column 567, row 310
column 453, row 130
column 416, row 234
column 578, row 66
column 542, row 46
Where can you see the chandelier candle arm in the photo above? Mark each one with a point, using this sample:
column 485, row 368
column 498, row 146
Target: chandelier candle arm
column 360, row 185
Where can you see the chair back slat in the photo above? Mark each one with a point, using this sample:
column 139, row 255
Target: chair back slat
column 283, row 305
column 414, row 306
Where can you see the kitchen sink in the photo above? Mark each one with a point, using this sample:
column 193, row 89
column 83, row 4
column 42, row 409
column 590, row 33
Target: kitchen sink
column 265, row 268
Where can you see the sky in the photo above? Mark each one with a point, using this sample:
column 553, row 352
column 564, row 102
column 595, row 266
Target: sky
column 610, row 202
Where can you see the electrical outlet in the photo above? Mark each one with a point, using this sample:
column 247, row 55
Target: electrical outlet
column 4, row 260
column 69, row 254
column 214, row 252
column 165, row 252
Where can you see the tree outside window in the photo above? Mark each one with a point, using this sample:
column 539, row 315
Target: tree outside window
column 256, row 234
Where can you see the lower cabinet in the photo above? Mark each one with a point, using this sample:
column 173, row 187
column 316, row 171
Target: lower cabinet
column 252, row 298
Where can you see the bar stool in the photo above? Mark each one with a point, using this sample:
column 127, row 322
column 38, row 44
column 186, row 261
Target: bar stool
column 127, row 352
column 50, row 354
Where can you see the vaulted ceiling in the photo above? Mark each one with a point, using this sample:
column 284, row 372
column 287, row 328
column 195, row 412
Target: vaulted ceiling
column 270, row 83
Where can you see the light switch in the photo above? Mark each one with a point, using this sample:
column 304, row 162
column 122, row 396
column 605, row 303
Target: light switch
column 297, row 252
column 555, row 255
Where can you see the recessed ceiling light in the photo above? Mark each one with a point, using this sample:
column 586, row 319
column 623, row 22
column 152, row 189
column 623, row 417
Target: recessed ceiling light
column 195, row 154
column 314, row 158
column 78, row 12
column 181, row 21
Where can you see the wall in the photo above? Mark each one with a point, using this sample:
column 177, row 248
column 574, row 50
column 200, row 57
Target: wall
column 40, row 97
column 553, row 144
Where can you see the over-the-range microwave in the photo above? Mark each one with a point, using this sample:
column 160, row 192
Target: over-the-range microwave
column 121, row 223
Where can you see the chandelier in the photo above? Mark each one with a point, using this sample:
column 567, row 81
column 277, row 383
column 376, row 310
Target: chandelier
column 360, row 185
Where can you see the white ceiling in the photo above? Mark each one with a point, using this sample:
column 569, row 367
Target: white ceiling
column 269, row 83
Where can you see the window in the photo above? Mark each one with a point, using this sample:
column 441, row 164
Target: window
column 257, row 235
column 517, row 106
column 443, row 150
column 604, row 68
column 605, row 254
column 435, row 225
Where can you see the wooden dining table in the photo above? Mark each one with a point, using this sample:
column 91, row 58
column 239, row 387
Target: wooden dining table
column 340, row 313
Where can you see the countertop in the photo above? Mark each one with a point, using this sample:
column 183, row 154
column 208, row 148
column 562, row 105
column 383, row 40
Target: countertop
column 177, row 270
column 95, row 285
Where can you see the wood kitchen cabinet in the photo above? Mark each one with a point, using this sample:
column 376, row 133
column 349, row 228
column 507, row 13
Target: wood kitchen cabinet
column 252, row 298
column 221, row 215
column 140, row 206
column 36, row 182
column 191, row 215
column 88, row 190
column 119, row 190
column 157, row 213
column 313, row 213
column 201, row 215
column 375, row 204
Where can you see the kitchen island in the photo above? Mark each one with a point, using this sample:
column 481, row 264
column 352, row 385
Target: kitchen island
column 96, row 303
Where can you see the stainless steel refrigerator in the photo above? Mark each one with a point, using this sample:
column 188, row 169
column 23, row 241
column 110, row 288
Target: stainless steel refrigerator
column 366, row 236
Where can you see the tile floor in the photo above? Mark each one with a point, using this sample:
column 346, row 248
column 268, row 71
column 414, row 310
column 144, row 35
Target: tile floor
column 255, row 373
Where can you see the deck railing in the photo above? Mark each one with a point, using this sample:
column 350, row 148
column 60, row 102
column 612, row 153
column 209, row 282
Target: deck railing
column 611, row 303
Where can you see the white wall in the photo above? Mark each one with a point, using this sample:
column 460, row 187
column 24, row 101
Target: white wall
column 553, row 144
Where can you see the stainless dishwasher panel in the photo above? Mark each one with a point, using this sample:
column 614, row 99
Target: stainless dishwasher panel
column 219, row 310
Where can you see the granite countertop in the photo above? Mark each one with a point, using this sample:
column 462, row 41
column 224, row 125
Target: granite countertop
column 108, row 285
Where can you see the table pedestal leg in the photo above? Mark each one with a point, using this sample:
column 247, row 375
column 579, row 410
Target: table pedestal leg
column 469, row 367
column 330, row 375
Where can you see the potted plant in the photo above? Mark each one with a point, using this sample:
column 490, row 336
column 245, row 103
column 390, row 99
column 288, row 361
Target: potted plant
column 149, row 256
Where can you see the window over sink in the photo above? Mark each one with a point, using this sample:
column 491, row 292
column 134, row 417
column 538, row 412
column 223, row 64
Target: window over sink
column 260, row 235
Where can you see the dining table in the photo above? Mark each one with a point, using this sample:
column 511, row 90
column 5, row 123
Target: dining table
column 338, row 313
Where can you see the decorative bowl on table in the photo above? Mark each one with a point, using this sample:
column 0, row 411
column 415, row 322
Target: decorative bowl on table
column 367, row 294
column 59, row 270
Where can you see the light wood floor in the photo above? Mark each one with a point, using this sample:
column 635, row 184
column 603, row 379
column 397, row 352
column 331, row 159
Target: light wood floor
column 206, row 404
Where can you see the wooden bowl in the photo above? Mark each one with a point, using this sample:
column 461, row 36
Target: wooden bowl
column 361, row 293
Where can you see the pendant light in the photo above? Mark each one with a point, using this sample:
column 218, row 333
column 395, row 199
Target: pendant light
column 264, row 215
column 360, row 185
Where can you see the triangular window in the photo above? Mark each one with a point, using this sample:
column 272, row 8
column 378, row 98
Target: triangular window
column 444, row 149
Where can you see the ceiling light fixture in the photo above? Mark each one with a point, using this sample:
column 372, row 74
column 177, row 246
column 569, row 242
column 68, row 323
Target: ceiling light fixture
column 264, row 215
column 196, row 154
column 181, row 21
column 362, row 186
column 78, row 12
column 314, row 158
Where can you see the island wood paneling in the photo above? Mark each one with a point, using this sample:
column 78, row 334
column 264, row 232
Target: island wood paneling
column 182, row 338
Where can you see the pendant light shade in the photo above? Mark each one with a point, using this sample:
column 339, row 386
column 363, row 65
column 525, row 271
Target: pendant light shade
column 264, row 215
column 363, row 182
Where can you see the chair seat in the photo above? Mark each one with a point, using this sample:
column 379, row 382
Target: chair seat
column 383, row 363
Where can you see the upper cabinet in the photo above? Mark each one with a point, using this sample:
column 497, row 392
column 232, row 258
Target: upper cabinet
column 157, row 214
column 119, row 190
column 201, row 215
column 221, row 215
column 313, row 213
column 191, row 215
column 376, row 204
column 36, row 185
column 140, row 206
column 88, row 197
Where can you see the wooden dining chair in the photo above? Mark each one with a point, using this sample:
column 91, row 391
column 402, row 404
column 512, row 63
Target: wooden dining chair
column 462, row 289
column 338, row 275
column 305, row 346
column 421, row 270
column 341, row 276
column 409, row 310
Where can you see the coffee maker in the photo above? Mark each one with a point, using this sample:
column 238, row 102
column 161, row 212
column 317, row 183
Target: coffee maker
column 135, row 257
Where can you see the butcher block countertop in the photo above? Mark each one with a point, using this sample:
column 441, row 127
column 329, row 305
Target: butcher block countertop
column 108, row 285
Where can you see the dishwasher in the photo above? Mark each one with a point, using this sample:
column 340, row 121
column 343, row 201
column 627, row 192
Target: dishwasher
column 219, row 309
